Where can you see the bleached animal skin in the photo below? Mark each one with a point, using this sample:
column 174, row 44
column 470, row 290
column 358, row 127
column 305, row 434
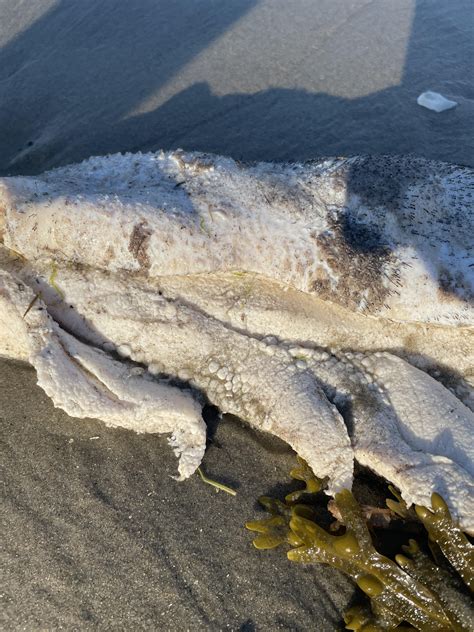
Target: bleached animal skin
column 299, row 297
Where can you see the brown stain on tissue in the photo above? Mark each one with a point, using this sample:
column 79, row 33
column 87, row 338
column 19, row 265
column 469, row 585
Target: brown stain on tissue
column 138, row 244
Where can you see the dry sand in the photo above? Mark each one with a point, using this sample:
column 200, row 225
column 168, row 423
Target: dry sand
column 96, row 535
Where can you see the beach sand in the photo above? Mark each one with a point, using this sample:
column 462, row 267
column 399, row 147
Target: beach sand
column 96, row 533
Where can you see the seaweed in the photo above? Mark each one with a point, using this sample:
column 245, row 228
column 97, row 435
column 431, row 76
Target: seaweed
column 399, row 506
column 450, row 539
column 216, row 484
column 302, row 472
column 414, row 591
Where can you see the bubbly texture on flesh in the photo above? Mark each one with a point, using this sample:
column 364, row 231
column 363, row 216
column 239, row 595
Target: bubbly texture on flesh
column 329, row 303
column 379, row 235
column 85, row 382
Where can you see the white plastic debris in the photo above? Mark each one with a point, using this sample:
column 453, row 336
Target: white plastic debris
column 435, row 101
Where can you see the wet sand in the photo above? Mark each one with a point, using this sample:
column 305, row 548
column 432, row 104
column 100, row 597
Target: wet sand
column 96, row 533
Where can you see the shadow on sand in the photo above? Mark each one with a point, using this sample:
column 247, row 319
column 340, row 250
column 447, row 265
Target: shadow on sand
column 69, row 82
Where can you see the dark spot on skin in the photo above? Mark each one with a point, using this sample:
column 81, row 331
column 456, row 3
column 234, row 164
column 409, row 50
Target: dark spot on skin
column 450, row 284
column 417, row 196
column 446, row 282
column 321, row 282
column 380, row 180
column 361, row 237
column 427, row 199
column 359, row 260
column 138, row 244
column 322, row 287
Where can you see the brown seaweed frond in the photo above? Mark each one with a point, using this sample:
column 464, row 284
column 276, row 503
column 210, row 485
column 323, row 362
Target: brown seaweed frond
column 276, row 529
column 445, row 585
column 302, row 472
column 399, row 506
column 410, row 591
column 449, row 537
column 396, row 596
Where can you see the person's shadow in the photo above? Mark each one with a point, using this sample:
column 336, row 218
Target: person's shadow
column 69, row 82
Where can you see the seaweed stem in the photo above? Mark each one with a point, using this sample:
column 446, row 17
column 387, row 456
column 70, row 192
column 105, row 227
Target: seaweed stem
column 52, row 279
column 216, row 484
